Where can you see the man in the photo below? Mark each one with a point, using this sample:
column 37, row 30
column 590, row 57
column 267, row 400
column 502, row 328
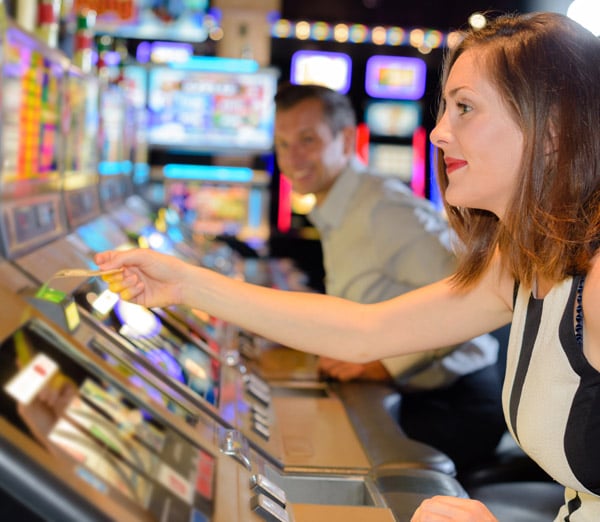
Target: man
column 379, row 240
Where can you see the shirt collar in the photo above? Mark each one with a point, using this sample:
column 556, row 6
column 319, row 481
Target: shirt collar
column 331, row 211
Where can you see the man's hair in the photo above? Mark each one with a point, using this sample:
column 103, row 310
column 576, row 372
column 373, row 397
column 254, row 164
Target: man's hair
column 546, row 68
column 337, row 108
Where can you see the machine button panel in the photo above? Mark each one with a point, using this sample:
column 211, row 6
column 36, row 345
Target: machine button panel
column 259, row 393
column 258, row 388
column 268, row 509
column 260, row 410
column 261, row 429
column 259, row 417
column 261, row 484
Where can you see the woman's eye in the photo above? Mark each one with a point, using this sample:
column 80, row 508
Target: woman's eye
column 463, row 108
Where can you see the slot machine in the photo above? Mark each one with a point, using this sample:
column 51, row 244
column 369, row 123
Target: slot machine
column 117, row 369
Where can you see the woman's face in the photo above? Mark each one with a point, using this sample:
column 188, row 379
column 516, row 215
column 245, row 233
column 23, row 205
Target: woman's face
column 481, row 142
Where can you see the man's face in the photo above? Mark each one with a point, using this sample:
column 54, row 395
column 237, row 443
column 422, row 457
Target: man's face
column 308, row 152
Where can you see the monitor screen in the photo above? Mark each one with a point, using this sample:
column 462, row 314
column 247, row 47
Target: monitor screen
column 216, row 209
column 395, row 77
column 178, row 359
column 208, row 111
column 392, row 160
column 151, row 19
column 103, row 433
column 103, row 234
column 81, row 139
column 116, row 125
column 397, row 119
column 135, row 83
column 333, row 70
column 31, row 109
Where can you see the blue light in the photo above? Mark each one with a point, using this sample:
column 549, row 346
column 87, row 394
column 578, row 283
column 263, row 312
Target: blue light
column 208, row 173
column 255, row 208
column 109, row 168
column 435, row 194
column 217, row 64
column 114, row 168
column 143, row 52
column 126, row 166
column 141, row 173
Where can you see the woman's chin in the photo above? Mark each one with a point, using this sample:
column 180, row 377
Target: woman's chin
column 453, row 199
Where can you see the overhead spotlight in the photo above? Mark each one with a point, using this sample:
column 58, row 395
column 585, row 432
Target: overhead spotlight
column 586, row 13
column 453, row 39
column 477, row 21
column 341, row 33
column 302, row 30
column 379, row 35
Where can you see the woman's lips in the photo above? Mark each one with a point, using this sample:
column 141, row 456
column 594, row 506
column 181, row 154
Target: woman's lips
column 452, row 164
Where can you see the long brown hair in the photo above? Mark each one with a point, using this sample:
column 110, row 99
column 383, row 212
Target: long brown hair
column 547, row 69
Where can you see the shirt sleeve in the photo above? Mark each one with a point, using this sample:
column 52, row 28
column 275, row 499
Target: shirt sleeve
column 444, row 366
column 413, row 242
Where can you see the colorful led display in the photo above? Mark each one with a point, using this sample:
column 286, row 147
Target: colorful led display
column 332, row 70
column 395, row 77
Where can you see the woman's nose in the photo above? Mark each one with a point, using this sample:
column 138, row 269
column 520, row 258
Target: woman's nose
column 439, row 135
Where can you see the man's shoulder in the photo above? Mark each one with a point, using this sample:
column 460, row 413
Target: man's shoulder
column 386, row 185
column 391, row 201
column 390, row 191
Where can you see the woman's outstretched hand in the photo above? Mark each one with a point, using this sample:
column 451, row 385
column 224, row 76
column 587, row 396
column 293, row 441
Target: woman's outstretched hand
column 452, row 509
column 146, row 277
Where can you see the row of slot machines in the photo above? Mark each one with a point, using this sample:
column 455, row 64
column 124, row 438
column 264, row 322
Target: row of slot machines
column 112, row 411
column 162, row 410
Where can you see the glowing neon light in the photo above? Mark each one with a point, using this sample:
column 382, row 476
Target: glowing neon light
column 208, row 173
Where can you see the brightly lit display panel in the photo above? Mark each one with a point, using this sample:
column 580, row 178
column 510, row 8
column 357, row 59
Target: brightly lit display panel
column 395, row 77
column 178, row 359
column 32, row 125
column 333, row 70
column 111, row 441
column 203, row 110
column 32, row 105
column 395, row 119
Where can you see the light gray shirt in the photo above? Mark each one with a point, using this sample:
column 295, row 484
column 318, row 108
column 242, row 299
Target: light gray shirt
column 379, row 240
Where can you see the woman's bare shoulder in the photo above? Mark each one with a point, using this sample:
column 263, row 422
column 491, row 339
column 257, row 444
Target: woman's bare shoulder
column 498, row 281
column 592, row 284
column 591, row 313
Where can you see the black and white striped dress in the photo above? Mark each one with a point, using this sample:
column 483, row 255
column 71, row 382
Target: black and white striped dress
column 551, row 397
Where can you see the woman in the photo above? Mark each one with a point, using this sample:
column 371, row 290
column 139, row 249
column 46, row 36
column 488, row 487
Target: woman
column 519, row 148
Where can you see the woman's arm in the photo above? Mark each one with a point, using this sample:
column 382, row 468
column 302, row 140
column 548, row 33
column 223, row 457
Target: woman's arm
column 452, row 509
column 432, row 316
